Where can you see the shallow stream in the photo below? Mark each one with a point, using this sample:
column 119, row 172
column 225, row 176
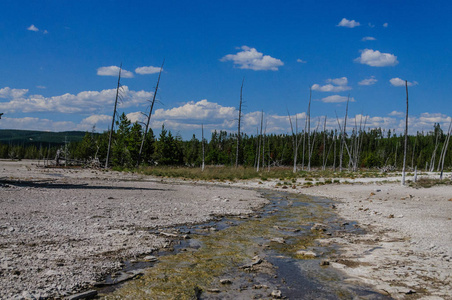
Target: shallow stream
column 254, row 257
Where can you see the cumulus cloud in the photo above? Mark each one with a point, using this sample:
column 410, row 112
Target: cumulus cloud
column 347, row 23
column 113, row 71
column 385, row 25
column 33, row 28
column 299, row 60
column 376, row 58
column 395, row 113
column 147, row 70
column 334, row 85
column 400, row 82
column 368, row 38
column 250, row 58
column 336, row 99
column 368, row 81
column 83, row 102
column 9, row 93
column 338, row 81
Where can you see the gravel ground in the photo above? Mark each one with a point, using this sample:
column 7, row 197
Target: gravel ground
column 407, row 251
column 63, row 230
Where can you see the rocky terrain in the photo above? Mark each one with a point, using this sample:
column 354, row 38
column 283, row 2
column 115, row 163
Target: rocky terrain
column 61, row 230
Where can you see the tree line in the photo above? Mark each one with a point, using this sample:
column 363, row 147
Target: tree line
column 321, row 149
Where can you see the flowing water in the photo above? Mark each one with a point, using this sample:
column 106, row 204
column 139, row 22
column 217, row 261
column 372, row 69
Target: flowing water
column 251, row 258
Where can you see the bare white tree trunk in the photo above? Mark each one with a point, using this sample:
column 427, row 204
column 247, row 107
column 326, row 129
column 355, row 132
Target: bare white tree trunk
column 203, row 151
column 238, row 127
column 444, row 151
column 113, row 118
column 149, row 116
column 406, row 135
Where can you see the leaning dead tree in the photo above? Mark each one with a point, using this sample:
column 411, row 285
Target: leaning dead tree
column 149, row 116
column 238, row 127
column 113, row 118
column 444, row 150
column 406, row 135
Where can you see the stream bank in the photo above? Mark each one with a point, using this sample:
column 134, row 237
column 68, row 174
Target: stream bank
column 279, row 252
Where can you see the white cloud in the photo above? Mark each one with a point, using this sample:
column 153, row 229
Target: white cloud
column 395, row 113
column 113, row 71
column 41, row 87
column 83, row 102
column 376, row 58
column 368, row 38
column 385, row 25
column 347, row 23
column 368, row 81
column 12, row 93
column 400, row 82
column 299, row 60
column 334, row 85
column 336, row 99
column 250, row 58
column 99, row 121
column 338, row 81
column 371, row 25
column 33, row 28
column 147, row 70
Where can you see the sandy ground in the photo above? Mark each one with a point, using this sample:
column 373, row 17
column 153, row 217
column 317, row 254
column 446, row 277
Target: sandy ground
column 64, row 229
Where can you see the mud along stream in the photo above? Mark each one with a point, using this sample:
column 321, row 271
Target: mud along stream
column 275, row 253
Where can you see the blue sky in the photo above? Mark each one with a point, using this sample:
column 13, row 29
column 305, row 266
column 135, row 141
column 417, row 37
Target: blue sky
column 59, row 62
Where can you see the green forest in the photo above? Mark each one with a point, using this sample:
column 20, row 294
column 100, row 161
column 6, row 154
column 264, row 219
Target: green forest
column 327, row 149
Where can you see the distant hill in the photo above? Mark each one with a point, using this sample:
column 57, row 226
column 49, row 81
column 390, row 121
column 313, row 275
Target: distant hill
column 27, row 137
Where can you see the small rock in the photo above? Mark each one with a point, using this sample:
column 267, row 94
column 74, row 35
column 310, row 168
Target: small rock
column 278, row 240
column 214, row 290
column 307, row 254
column 391, row 216
column 276, row 294
column 324, row 263
column 319, row 226
column 150, row 258
column 225, row 281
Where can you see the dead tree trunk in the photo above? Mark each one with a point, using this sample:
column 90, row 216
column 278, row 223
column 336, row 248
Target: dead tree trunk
column 238, row 127
column 149, row 116
column 444, row 151
column 295, row 141
column 260, row 141
column 309, row 129
column 343, row 136
column 113, row 118
column 202, row 144
column 324, row 144
column 406, row 135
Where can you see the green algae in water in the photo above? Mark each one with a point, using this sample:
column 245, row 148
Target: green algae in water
column 186, row 274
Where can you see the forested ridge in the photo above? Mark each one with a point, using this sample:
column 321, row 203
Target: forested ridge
column 371, row 148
